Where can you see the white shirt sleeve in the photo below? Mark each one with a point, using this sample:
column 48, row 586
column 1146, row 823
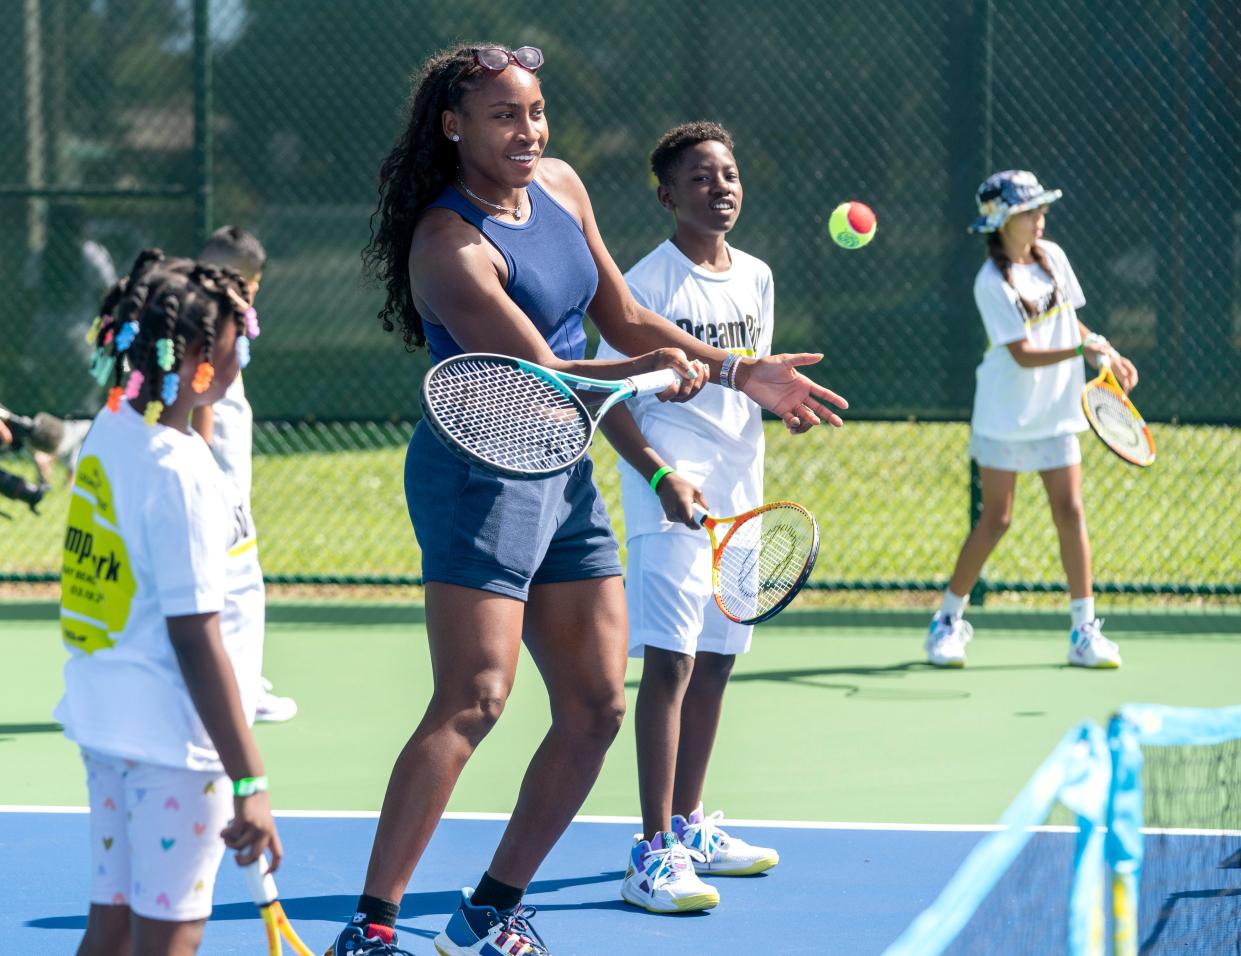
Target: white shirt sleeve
column 187, row 528
column 1069, row 278
column 1000, row 308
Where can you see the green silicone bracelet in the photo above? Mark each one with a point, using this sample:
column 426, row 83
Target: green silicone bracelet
column 658, row 477
column 249, row 786
column 1080, row 347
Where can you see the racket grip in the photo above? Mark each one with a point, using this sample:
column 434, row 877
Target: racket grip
column 259, row 882
column 645, row 383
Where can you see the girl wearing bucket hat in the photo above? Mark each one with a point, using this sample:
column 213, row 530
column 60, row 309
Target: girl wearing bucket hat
column 1027, row 409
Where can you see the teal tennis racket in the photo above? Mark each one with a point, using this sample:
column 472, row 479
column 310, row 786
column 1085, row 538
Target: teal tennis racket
column 518, row 419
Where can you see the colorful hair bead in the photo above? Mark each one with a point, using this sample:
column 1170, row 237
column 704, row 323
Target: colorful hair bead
column 94, row 330
column 134, row 385
column 202, row 377
column 125, row 337
column 243, row 351
column 164, row 354
column 154, row 410
column 114, row 398
column 107, row 338
column 252, row 323
column 172, row 385
column 101, row 367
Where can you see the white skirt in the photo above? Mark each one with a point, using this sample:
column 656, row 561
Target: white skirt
column 1041, row 454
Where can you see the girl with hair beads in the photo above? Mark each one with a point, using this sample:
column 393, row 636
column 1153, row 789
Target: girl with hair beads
column 485, row 244
column 162, row 610
column 1027, row 408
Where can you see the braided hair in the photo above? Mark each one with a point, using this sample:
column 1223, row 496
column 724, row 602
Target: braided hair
column 995, row 249
column 420, row 165
column 148, row 321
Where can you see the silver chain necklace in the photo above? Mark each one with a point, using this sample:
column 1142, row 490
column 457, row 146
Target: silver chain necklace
column 514, row 212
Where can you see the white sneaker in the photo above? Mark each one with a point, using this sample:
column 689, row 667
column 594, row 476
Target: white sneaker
column 661, row 878
column 716, row 852
column 272, row 709
column 946, row 639
column 1089, row 648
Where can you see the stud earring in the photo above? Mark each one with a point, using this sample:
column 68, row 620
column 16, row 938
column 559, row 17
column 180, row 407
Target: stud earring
column 456, row 138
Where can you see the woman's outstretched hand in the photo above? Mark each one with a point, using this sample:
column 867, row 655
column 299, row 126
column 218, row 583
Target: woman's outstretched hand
column 777, row 385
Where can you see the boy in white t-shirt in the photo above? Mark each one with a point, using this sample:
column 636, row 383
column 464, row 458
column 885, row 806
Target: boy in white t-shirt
column 708, row 450
column 228, row 425
column 1027, row 408
column 162, row 610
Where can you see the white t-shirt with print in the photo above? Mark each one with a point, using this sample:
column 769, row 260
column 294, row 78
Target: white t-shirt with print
column 232, row 436
column 715, row 440
column 155, row 531
column 1012, row 403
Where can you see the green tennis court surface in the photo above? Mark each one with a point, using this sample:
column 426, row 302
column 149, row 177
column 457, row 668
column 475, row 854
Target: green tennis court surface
column 832, row 717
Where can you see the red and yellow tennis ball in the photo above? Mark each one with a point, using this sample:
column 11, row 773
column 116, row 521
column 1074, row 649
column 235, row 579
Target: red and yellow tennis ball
column 852, row 225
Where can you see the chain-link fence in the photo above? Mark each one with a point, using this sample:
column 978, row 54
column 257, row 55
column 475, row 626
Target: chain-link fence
column 145, row 122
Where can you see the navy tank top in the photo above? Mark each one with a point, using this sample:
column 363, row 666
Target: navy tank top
column 551, row 274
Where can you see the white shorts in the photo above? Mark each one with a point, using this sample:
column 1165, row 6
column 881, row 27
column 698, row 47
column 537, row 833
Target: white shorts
column 155, row 836
column 671, row 606
column 1041, row 454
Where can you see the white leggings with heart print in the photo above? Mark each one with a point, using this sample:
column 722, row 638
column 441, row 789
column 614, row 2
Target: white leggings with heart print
column 155, row 836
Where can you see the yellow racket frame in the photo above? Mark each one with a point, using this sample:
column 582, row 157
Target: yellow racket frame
column 275, row 922
column 711, row 522
column 1107, row 380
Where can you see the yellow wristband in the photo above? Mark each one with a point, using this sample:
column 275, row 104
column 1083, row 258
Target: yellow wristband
column 658, row 477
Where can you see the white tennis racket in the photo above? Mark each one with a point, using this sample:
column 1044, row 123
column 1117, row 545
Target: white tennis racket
column 763, row 560
column 1115, row 419
column 518, row 419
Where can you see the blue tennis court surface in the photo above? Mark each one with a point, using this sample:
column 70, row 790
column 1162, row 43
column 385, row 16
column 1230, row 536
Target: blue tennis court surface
column 836, row 890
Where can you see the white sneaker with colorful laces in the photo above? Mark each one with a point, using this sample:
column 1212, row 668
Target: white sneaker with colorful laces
column 1089, row 648
column 661, row 879
column 715, row 852
column 946, row 639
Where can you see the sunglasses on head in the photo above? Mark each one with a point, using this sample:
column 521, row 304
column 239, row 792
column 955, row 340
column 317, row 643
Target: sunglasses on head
column 496, row 59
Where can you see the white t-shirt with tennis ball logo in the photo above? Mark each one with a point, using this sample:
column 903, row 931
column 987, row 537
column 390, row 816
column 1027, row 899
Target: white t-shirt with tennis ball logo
column 714, row 440
column 1012, row 403
column 155, row 531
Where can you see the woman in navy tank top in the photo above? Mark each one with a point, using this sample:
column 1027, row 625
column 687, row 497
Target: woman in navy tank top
column 486, row 244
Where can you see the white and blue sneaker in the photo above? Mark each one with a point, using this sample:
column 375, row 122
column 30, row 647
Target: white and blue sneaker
column 371, row 940
column 660, row 877
column 946, row 639
column 716, row 852
column 486, row 931
column 1089, row 648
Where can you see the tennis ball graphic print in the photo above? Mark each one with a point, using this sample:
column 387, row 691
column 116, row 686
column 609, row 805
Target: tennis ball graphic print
column 96, row 583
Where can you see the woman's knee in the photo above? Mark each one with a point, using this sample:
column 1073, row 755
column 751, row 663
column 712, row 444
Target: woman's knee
column 474, row 709
column 995, row 522
column 596, row 716
column 1068, row 511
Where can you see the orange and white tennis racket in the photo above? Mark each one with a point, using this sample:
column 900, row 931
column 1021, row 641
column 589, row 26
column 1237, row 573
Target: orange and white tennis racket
column 762, row 560
column 1115, row 419
column 263, row 891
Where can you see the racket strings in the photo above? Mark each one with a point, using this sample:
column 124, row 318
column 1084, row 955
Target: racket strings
column 1115, row 421
column 763, row 560
column 506, row 415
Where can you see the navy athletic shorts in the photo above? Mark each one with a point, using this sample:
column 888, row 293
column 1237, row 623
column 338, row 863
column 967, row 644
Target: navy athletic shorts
column 497, row 534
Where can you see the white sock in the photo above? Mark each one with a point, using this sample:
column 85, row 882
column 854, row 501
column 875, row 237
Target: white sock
column 1082, row 610
column 953, row 605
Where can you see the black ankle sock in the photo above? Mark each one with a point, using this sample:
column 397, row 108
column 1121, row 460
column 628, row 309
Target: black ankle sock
column 371, row 909
column 491, row 892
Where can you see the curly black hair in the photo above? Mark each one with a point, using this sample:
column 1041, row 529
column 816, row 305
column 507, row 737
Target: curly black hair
column 421, row 163
column 667, row 152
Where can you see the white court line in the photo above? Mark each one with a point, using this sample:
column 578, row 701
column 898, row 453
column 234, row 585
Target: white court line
column 740, row 822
